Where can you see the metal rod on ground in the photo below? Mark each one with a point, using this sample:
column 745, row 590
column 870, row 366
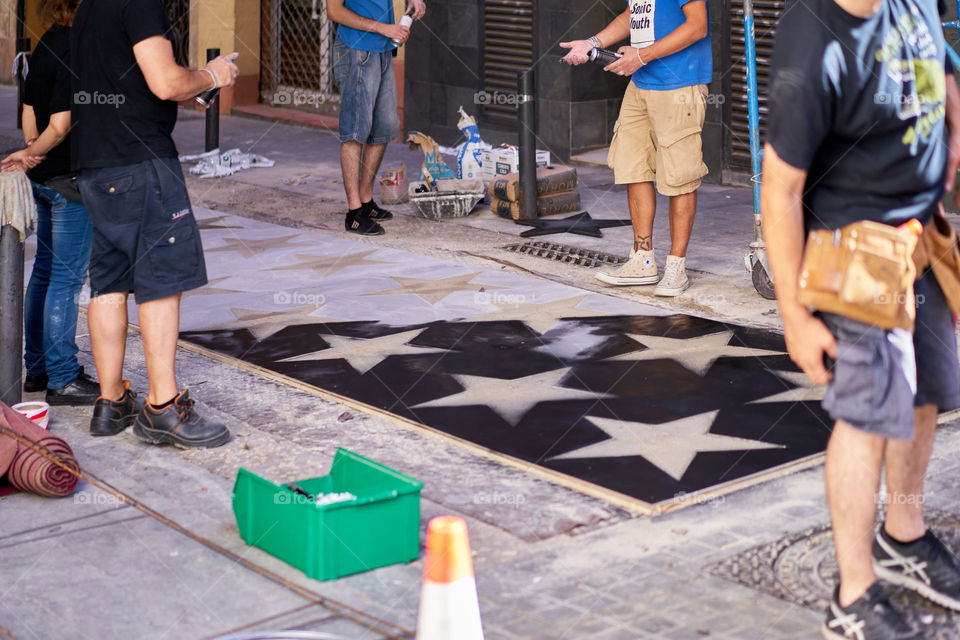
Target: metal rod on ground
column 213, row 112
column 11, row 315
column 526, row 111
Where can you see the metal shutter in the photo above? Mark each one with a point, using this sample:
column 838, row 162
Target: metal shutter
column 766, row 13
column 508, row 37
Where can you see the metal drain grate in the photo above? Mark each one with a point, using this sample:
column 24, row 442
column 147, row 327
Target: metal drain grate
column 566, row 254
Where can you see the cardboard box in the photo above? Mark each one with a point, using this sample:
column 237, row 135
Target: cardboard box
column 551, row 179
column 504, row 160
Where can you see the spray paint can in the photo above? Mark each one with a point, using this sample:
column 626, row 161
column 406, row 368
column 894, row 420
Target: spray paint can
column 405, row 21
column 603, row 57
column 204, row 99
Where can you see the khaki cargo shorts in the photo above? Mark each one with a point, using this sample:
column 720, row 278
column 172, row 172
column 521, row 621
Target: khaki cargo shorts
column 657, row 138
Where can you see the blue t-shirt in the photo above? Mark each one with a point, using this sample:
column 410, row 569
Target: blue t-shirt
column 379, row 10
column 654, row 19
column 859, row 104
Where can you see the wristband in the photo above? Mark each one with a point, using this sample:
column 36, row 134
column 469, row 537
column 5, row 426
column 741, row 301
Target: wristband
column 212, row 76
column 642, row 63
column 595, row 41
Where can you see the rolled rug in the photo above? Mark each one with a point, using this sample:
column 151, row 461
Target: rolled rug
column 28, row 470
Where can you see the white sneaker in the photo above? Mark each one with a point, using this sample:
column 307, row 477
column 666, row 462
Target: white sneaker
column 641, row 268
column 674, row 281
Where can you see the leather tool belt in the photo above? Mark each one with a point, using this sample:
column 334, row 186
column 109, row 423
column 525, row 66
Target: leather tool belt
column 864, row 271
column 938, row 250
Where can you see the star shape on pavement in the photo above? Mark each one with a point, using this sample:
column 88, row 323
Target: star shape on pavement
column 364, row 354
column 433, row 290
column 215, row 223
column 329, row 265
column 581, row 224
column 695, row 354
column 263, row 324
column 209, row 289
column 249, row 247
column 543, row 316
column 512, row 399
column 802, row 392
column 670, row 446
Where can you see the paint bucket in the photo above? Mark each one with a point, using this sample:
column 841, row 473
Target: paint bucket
column 36, row 411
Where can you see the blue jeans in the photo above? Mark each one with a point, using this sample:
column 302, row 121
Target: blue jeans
column 64, row 235
column 368, row 95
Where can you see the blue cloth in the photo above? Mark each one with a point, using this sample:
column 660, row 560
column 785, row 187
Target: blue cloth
column 379, row 10
column 368, row 95
column 64, row 235
column 685, row 68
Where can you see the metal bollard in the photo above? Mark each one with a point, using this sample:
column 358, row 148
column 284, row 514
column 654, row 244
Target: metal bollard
column 11, row 315
column 526, row 111
column 213, row 113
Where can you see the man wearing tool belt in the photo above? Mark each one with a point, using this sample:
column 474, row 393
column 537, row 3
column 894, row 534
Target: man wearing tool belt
column 860, row 109
column 657, row 137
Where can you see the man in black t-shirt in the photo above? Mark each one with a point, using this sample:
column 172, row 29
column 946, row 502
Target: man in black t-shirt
column 125, row 91
column 863, row 123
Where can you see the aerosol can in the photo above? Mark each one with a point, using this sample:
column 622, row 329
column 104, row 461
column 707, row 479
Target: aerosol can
column 405, row 21
column 603, row 57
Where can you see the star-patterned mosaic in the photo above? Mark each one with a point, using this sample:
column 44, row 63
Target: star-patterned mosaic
column 652, row 406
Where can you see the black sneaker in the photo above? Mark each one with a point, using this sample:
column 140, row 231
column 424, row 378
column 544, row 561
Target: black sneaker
column 924, row 566
column 361, row 224
column 80, row 391
column 32, row 384
column 110, row 417
column 180, row 425
column 871, row 617
column 374, row 212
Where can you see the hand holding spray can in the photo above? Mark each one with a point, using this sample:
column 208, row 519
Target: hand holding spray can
column 603, row 57
column 405, row 21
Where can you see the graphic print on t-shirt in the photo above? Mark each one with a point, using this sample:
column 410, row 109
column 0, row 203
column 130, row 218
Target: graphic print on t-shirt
column 641, row 22
column 909, row 58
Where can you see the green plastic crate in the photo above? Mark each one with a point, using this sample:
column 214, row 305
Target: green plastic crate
column 379, row 527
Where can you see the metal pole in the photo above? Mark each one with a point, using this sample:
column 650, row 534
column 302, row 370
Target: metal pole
column 213, row 113
column 526, row 111
column 11, row 315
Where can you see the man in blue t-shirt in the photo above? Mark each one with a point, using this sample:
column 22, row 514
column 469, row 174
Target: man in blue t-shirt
column 863, row 122
column 657, row 136
column 363, row 68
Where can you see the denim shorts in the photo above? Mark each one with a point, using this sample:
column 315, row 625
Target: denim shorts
column 880, row 376
column 368, row 95
column 145, row 238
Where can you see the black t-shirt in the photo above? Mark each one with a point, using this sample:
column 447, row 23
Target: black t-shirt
column 47, row 90
column 117, row 119
column 859, row 104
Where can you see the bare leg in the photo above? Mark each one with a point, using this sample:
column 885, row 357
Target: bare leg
column 643, row 206
column 350, row 153
column 683, row 208
column 160, row 326
column 854, row 460
column 906, row 465
column 372, row 157
column 107, row 320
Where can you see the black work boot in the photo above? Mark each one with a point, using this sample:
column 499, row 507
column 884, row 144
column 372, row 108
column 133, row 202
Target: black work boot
column 180, row 425
column 80, row 391
column 110, row 417
column 32, row 384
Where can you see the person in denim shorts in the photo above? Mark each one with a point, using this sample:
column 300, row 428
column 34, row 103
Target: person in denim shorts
column 862, row 116
column 363, row 68
column 126, row 85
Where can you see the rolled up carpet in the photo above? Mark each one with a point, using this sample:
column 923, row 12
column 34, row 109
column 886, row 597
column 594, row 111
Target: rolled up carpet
column 29, row 470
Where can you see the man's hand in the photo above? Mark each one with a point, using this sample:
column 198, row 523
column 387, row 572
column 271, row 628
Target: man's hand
column 807, row 340
column 22, row 159
column 224, row 69
column 628, row 63
column 394, row 32
column 579, row 52
column 416, row 8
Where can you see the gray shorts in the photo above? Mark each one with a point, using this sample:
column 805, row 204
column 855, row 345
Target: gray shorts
column 880, row 376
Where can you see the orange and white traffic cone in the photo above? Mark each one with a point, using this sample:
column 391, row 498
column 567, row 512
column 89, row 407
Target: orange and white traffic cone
column 448, row 601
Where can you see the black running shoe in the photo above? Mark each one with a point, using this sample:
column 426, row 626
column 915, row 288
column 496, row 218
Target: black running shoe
column 871, row 617
column 32, row 384
column 361, row 224
column 924, row 566
column 110, row 417
column 80, row 391
column 179, row 424
column 376, row 213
